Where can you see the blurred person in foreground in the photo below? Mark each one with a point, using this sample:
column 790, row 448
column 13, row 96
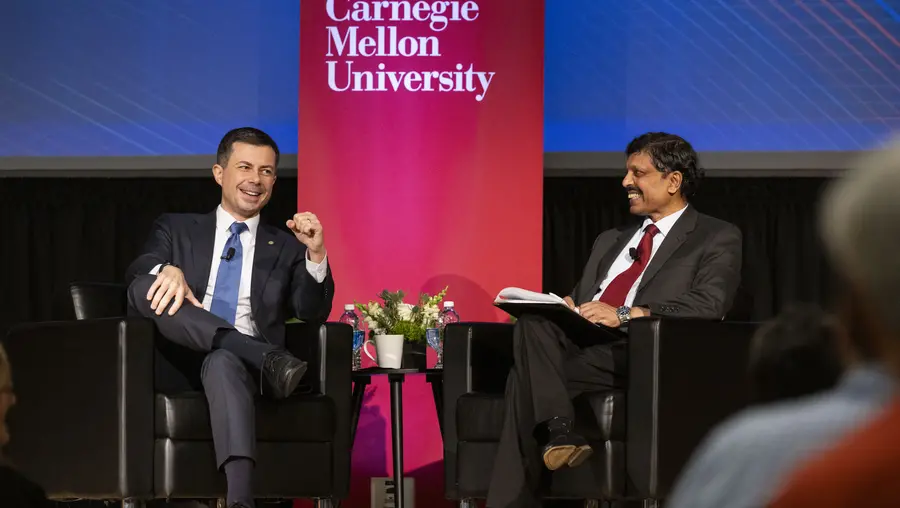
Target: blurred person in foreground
column 795, row 354
column 795, row 361
column 860, row 222
column 16, row 491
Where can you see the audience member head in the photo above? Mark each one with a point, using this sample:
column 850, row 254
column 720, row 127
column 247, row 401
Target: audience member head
column 662, row 173
column 860, row 225
column 795, row 354
column 7, row 397
column 246, row 163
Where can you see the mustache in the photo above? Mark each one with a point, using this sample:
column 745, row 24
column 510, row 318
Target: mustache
column 632, row 188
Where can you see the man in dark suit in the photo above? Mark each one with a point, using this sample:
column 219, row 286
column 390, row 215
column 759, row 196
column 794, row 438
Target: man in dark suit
column 674, row 262
column 224, row 284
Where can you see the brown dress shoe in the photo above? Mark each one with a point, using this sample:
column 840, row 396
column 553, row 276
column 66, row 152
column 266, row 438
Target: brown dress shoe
column 564, row 447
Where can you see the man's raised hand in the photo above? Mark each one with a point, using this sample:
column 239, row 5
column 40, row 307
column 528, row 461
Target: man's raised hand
column 308, row 230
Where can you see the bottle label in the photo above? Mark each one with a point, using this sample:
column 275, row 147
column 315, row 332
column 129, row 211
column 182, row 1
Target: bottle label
column 359, row 337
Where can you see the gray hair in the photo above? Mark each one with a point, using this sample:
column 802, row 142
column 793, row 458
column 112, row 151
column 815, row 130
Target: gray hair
column 859, row 220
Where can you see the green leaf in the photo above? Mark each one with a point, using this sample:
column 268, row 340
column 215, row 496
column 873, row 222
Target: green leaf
column 411, row 331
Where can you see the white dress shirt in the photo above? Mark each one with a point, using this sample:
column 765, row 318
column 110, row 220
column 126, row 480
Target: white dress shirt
column 623, row 260
column 243, row 319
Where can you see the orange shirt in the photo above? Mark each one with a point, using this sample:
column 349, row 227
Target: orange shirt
column 862, row 470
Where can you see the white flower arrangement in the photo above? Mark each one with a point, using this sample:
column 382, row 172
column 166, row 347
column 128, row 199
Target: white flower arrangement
column 396, row 317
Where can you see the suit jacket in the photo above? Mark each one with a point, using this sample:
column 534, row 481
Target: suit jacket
column 695, row 272
column 280, row 287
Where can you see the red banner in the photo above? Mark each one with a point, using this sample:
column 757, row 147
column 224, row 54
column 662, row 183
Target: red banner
column 420, row 149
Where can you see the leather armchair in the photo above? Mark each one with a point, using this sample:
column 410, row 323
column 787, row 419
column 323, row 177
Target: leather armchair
column 684, row 376
column 103, row 414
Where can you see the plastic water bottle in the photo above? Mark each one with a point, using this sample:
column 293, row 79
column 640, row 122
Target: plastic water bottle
column 447, row 316
column 359, row 336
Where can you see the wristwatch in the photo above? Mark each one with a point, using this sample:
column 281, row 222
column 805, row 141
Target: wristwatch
column 624, row 315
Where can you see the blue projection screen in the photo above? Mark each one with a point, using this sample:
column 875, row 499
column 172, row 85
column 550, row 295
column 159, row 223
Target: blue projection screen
column 753, row 84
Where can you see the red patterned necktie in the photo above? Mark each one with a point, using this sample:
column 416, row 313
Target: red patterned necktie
column 618, row 289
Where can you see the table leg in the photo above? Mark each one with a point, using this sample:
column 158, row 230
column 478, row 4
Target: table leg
column 437, row 390
column 359, row 392
column 397, row 436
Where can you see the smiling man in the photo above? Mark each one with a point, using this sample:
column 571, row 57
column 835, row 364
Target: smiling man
column 674, row 261
column 224, row 284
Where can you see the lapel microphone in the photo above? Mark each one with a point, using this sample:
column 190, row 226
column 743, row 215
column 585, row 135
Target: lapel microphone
column 634, row 253
column 228, row 255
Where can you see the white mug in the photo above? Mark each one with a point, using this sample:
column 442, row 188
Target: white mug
column 388, row 348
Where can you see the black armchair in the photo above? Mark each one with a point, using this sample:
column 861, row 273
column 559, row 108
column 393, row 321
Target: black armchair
column 684, row 376
column 103, row 414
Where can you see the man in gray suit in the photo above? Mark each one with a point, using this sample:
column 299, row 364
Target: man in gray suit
column 674, row 262
column 223, row 284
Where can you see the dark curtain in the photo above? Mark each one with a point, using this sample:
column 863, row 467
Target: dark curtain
column 60, row 230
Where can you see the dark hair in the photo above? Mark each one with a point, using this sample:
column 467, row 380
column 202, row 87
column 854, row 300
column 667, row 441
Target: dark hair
column 249, row 135
column 795, row 354
column 670, row 153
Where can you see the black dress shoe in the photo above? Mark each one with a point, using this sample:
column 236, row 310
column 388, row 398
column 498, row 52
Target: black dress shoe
column 238, row 505
column 281, row 373
column 564, row 447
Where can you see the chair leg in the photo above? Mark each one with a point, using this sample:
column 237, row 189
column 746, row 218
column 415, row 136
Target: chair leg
column 324, row 503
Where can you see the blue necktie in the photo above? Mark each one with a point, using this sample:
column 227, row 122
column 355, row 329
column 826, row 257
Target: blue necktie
column 228, row 280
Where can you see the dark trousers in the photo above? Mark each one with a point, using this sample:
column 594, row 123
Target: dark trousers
column 549, row 370
column 228, row 384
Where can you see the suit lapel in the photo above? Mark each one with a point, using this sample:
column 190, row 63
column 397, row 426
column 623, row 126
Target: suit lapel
column 268, row 245
column 676, row 237
column 607, row 260
column 202, row 241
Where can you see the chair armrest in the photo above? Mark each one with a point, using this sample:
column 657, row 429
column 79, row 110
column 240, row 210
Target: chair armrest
column 328, row 350
column 480, row 356
column 93, row 300
column 477, row 358
column 83, row 423
column 684, row 377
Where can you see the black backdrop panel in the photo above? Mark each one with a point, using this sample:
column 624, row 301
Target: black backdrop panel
column 783, row 260
column 59, row 230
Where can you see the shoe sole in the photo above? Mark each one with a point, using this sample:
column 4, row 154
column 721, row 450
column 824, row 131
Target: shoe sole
column 581, row 454
column 293, row 380
column 557, row 456
column 568, row 455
